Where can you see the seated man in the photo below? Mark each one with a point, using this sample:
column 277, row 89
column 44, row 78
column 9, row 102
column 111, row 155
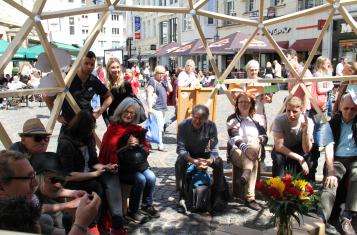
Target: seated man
column 340, row 141
column 293, row 139
column 18, row 180
column 34, row 138
column 197, row 143
column 51, row 177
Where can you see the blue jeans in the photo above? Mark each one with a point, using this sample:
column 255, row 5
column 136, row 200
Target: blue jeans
column 143, row 183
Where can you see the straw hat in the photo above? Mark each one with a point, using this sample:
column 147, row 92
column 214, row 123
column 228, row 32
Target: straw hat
column 33, row 126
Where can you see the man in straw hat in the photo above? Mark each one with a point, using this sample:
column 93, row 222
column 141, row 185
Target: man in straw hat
column 34, row 138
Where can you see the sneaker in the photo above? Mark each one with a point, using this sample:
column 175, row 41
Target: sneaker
column 150, row 211
column 137, row 217
column 93, row 231
column 347, row 227
column 121, row 231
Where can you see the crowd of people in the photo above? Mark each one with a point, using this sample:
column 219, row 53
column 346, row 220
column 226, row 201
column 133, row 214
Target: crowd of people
column 36, row 182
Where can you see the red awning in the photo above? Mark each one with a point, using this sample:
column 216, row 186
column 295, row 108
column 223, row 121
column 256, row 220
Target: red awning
column 283, row 44
column 304, row 44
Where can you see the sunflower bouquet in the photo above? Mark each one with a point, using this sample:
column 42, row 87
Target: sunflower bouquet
column 287, row 197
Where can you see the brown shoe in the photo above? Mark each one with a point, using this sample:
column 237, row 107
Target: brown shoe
column 245, row 177
column 253, row 205
column 347, row 227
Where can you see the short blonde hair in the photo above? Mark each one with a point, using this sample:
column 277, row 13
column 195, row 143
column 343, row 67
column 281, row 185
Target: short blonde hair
column 295, row 102
column 190, row 62
column 250, row 64
column 159, row 69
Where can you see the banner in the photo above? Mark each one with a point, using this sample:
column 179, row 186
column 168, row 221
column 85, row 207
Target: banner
column 137, row 32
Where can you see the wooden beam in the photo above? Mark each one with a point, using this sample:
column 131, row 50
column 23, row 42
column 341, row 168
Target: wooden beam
column 318, row 42
column 205, row 44
column 38, row 7
column 4, row 137
column 19, row 7
column 211, row 95
column 74, row 11
column 93, row 35
column 261, row 11
column 57, row 105
column 190, row 3
column 238, row 56
column 24, row 92
column 228, row 94
column 348, row 2
column 15, row 44
column 298, row 14
column 109, row 3
column 348, row 18
column 72, row 102
column 51, row 57
column 280, row 52
column 199, row 4
column 177, row 10
column 287, row 80
column 221, row 16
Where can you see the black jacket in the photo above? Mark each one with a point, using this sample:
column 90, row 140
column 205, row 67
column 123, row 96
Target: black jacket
column 335, row 124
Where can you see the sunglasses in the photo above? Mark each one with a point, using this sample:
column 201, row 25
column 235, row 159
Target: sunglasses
column 39, row 138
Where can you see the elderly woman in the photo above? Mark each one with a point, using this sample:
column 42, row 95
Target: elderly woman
column 118, row 86
column 261, row 99
column 124, row 144
column 77, row 152
column 247, row 137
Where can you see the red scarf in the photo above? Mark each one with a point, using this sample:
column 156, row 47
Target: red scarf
column 111, row 138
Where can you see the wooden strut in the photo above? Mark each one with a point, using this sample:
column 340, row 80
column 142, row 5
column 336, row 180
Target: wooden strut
column 197, row 6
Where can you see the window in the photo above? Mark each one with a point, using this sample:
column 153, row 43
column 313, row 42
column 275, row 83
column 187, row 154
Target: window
column 70, row 0
column 278, row 2
column 172, row 30
column 115, row 44
column 187, row 23
column 103, row 30
column 85, row 16
column 115, row 17
column 116, row 31
column 124, row 32
column 84, row 31
column 163, row 32
column 230, row 10
column 306, row 4
column 102, row 43
column 251, row 5
column 71, row 26
column 83, row 1
column 210, row 21
column 162, row 2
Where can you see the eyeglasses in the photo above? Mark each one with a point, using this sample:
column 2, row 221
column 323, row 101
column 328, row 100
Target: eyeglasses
column 39, row 138
column 31, row 177
column 130, row 113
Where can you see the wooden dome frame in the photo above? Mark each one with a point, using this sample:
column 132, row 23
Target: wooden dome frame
column 194, row 9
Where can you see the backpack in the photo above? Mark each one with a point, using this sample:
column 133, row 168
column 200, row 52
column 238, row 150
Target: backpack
column 197, row 190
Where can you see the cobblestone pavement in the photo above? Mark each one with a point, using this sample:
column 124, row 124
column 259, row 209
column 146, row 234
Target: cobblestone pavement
column 162, row 164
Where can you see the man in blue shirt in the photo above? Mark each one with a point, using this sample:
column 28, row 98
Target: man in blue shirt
column 340, row 140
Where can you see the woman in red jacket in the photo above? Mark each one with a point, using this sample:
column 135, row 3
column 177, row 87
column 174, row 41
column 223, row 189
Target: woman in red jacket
column 124, row 144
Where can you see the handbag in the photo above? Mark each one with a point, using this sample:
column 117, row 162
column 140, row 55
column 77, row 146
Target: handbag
column 132, row 159
column 152, row 125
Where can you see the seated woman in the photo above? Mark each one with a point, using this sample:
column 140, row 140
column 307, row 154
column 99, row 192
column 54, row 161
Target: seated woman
column 247, row 137
column 124, row 138
column 77, row 152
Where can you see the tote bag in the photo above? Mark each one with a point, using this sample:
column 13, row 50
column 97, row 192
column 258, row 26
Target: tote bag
column 152, row 135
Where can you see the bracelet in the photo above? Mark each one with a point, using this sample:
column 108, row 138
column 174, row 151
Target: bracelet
column 80, row 227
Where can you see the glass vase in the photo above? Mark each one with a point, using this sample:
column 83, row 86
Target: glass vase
column 285, row 226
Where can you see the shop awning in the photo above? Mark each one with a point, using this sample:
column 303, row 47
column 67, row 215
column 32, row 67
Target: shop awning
column 304, row 44
column 19, row 55
column 283, row 44
column 33, row 52
column 165, row 50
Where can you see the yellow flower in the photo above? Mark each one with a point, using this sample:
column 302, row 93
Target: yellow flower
column 304, row 196
column 301, row 184
column 277, row 183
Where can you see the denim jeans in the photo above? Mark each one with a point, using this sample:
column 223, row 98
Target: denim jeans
column 143, row 183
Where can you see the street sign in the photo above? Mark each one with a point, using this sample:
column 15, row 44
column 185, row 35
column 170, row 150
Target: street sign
column 137, row 33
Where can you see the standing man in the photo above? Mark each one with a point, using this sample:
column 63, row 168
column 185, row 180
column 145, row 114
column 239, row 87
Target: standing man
column 197, row 143
column 340, row 141
column 340, row 66
column 277, row 69
column 157, row 98
column 83, row 87
column 293, row 139
column 188, row 78
column 34, row 138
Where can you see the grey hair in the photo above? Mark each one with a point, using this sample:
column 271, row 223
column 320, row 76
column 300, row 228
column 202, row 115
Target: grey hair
column 252, row 63
column 202, row 110
column 122, row 107
column 345, row 96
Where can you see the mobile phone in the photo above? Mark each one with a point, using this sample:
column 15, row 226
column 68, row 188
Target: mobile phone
column 90, row 196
